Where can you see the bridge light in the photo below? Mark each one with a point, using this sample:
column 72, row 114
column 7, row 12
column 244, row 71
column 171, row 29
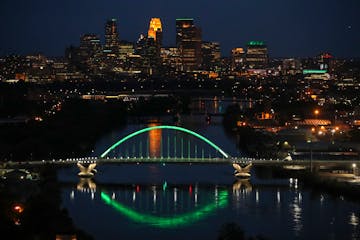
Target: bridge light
column 137, row 188
column 190, row 189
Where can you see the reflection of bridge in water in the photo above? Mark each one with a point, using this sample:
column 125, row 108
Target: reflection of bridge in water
column 176, row 205
column 163, row 206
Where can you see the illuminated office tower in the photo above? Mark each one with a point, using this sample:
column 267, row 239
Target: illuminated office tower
column 155, row 31
column 125, row 49
column 111, row 35
column 188, row 41
column 89, row 50
column 326, row 61
column 237, row 58
column 257, row 55
column 211, row 55
column 291, row 66
column 170, row 56
column 89, row 45
column 150, row 54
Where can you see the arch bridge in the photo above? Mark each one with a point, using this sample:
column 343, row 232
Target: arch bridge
column 176, row 149
column 158, row 149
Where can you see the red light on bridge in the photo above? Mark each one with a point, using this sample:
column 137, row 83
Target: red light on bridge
column 190, row 189
column 137, row 188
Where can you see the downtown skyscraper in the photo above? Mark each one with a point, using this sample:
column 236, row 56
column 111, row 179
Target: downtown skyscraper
column 155, row 30
column 188, row 41
column 111, row 35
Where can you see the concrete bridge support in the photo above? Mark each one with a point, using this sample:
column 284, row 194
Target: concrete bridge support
column 86, row 171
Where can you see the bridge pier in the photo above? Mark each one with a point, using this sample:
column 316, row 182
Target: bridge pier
column 86, row 171
column 242, row 172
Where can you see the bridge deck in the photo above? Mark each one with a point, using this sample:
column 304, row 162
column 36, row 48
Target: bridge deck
column 255, row 162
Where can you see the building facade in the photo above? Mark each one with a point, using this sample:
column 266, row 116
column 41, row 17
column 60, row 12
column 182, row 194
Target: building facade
column 257, row 55
column 111, row 35
column 188, row 41
column 155, row 31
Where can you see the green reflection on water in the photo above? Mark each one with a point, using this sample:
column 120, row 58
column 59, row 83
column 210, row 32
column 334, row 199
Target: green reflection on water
column 171, row 221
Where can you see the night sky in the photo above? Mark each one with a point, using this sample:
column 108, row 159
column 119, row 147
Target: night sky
column 290, row 28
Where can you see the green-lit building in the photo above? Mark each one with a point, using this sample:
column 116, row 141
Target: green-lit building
column 257, row 55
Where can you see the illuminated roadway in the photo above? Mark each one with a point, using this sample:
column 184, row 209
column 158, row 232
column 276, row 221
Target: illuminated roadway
column 255, row 162
column 224, row 159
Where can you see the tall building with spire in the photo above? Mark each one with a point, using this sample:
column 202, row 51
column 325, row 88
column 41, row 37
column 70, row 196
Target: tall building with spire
column 111, row 35
column 188, row 41
column 155, row 30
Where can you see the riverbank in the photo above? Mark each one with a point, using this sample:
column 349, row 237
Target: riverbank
column 335, row 186
column 344, row 185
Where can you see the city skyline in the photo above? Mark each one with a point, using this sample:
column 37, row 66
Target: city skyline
column 289, row 29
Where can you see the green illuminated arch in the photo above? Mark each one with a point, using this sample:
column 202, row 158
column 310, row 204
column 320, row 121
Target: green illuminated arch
column 168, row 222
column 165, row 127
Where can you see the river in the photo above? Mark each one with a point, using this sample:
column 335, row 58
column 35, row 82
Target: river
column 194, row 201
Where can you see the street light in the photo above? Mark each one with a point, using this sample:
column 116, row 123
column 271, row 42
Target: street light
column 354, row 167
column 316, row 112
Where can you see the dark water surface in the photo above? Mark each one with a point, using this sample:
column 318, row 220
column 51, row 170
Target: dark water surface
column 193, row 201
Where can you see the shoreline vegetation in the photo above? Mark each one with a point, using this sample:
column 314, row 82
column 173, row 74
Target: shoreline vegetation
column 74, row 130
column 71, row 131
